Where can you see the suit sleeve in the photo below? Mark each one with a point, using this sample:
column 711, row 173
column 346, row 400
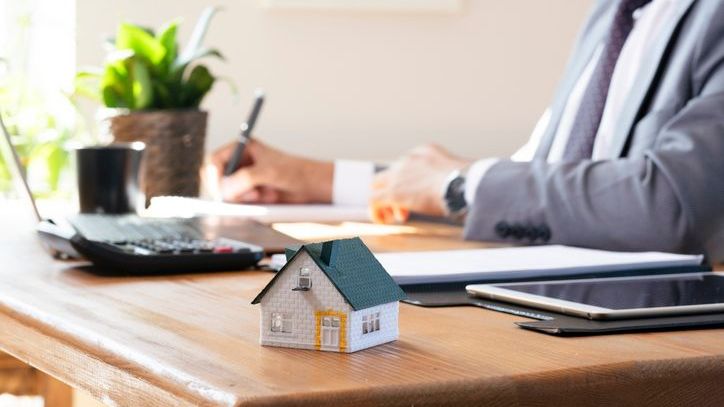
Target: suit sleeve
column 670, row 198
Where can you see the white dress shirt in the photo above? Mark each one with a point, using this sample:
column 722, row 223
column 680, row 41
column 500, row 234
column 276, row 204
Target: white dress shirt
column 648, row 23
column 352, row 179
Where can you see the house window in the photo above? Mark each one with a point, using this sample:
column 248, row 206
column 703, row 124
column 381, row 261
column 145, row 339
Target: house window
column 281, row 322
column 304, row 281
column 371, row 323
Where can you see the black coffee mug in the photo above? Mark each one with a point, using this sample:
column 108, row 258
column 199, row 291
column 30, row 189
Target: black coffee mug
column 108, row 179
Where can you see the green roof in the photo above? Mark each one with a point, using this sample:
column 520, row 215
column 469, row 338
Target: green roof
column 352, row 268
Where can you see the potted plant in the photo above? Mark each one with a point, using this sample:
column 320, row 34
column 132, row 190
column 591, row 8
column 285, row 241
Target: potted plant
column 154, row 91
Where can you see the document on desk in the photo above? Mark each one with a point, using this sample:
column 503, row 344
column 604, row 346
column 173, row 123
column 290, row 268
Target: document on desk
column 175, row 206
column 521, row 263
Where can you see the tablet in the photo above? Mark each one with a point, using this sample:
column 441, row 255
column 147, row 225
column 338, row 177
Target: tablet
column 615, row 298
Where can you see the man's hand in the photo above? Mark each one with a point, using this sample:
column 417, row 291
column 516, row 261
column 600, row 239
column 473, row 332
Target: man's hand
column 267, row 175
column 414, row 183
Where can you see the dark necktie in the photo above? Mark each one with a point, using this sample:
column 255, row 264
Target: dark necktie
column 588, row 118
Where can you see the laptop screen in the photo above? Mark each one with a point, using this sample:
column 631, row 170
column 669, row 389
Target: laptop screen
column 17, row 173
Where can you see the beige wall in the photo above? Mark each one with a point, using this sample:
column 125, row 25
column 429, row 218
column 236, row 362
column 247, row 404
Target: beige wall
column 372, row 84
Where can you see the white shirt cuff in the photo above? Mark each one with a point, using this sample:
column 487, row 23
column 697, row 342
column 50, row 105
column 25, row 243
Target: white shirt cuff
column 475, row 175
column 352, row 182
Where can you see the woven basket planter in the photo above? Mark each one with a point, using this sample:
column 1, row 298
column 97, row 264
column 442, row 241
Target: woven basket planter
column 174, row 148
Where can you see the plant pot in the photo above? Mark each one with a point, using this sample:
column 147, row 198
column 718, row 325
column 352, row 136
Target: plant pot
column 174, row 148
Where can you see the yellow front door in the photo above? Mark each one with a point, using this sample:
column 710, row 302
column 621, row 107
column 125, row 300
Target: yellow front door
column 330, row 330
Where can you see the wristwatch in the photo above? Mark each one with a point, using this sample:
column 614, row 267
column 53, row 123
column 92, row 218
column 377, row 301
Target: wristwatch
column 454, row 195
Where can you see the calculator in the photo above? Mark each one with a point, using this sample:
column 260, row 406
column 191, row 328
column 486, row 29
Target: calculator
column 138, row 245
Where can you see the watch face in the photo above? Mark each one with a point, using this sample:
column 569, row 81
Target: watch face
column 455, row 195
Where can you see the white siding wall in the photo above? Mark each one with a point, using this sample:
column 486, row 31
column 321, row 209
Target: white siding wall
column 300, row 304
column 388, row 326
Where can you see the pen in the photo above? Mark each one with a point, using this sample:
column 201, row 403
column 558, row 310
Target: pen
column 245, row 134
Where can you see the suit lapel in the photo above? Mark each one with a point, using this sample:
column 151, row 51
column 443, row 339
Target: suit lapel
column 642, row 84
column 601, row 20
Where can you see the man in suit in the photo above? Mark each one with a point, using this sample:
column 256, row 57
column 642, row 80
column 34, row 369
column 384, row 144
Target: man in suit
column 629, row 155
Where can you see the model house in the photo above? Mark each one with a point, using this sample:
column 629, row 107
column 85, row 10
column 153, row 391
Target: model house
column 332, row 296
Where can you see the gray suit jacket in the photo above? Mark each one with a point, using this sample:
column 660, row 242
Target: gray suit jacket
column 661, row 186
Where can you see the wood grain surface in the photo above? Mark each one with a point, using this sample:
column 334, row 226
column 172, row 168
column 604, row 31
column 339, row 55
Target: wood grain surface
column 193, row 340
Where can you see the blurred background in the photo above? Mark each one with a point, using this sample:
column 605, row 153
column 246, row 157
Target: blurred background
column 363, row 79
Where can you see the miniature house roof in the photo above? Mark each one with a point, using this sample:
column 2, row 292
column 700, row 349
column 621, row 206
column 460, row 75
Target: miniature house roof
column 353, row 270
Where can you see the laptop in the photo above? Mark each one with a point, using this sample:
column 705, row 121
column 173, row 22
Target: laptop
column 139, row 245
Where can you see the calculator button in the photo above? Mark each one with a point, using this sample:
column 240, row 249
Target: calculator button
column 142, row 251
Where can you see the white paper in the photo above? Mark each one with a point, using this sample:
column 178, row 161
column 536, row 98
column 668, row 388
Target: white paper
column 520, row 262
column 449, row 266
column 173, row 206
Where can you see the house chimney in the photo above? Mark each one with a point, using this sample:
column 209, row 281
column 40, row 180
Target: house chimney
column 327, row 252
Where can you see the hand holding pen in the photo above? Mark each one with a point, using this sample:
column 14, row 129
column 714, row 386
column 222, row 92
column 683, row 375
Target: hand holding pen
column 245, row 134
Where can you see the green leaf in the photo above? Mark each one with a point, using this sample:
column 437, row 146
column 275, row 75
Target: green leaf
column 167, row 38
column 197, row 36
column 127, row 82
column 197, row 85
column 201, row 53
column 141, row 85
column 89, row 73
column 162, row 96
column 4, row 176
column 115, row 88
column 52, row 157
column 149, row 30
column 141, row 42
column 117, row 84
column 180, row 66
column 87, row 83
column 112, row 98
column 147, row 70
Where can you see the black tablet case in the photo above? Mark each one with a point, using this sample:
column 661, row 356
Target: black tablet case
column 454, row 294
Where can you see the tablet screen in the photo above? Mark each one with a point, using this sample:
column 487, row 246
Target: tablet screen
column 645, row 292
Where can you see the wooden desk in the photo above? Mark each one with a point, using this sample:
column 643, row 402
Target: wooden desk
column 193, row 340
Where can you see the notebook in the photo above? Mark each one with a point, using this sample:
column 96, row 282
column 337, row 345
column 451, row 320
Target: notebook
column 531, row 262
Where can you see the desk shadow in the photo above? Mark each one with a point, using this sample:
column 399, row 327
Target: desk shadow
column 96, row 271
column 89, row 274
